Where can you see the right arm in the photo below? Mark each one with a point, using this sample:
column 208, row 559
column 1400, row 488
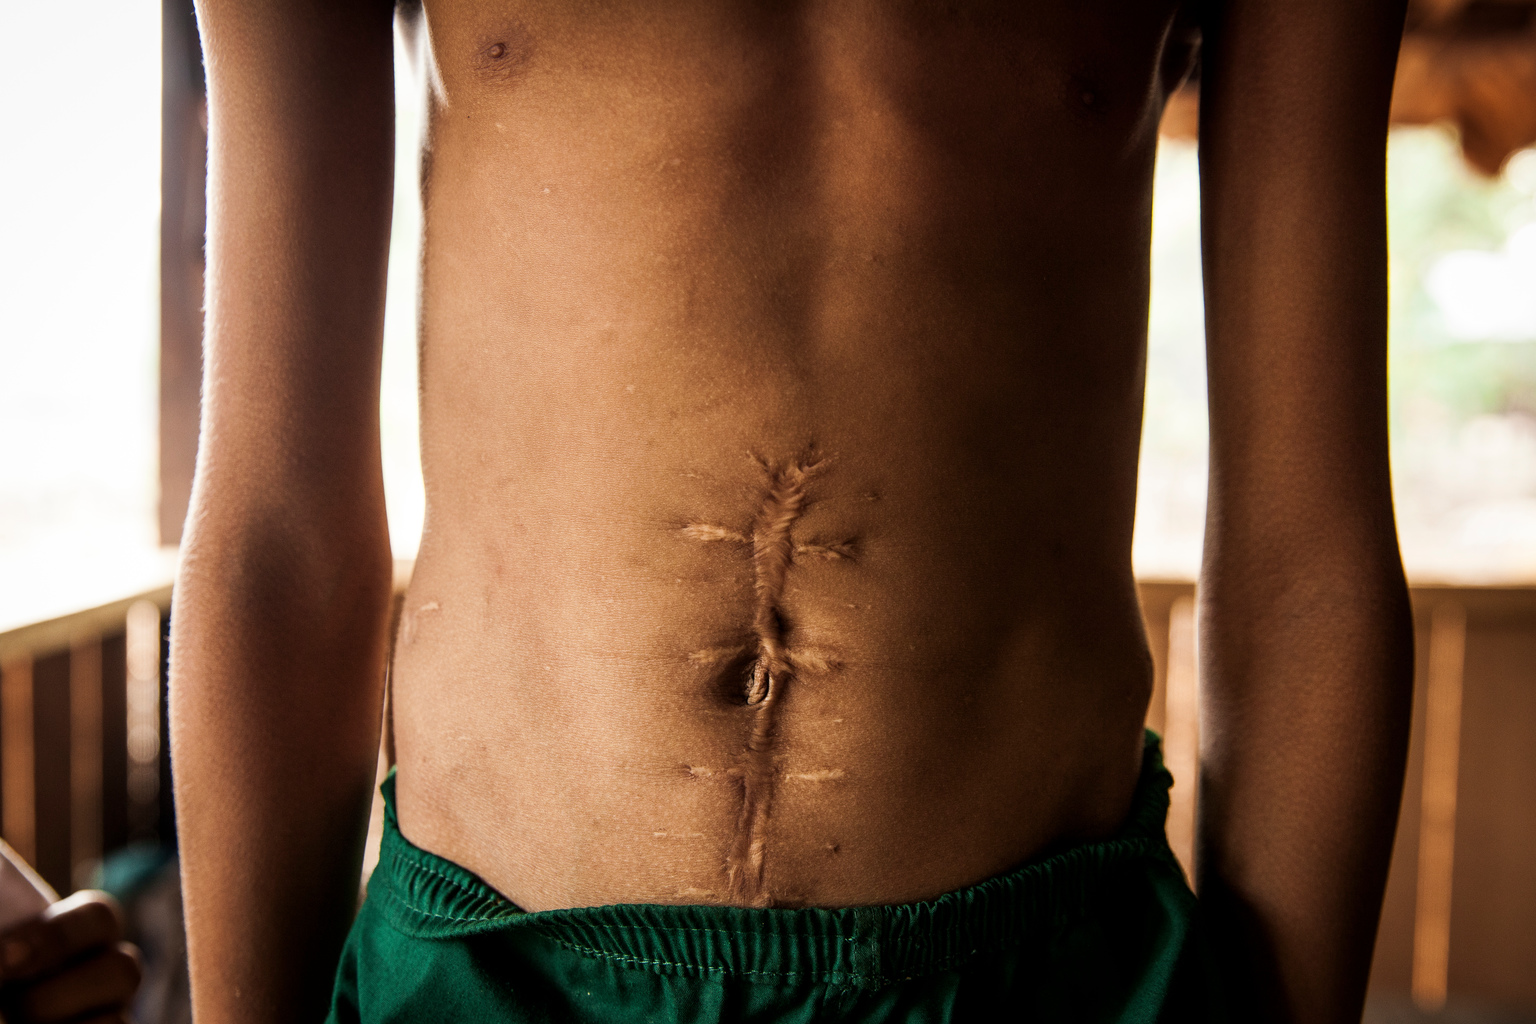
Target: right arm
column 279, row 629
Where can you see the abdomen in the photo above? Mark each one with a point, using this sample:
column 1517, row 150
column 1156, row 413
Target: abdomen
column 780, row 467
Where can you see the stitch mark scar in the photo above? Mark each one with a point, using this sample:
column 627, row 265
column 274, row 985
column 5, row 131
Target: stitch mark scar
column 710, row 533
column 717, row 655
column 814, row 661
column 772, row 553
column 831, row 552
column 818, row 775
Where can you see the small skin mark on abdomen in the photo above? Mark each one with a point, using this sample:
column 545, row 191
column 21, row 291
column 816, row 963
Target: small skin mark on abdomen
column 411, row 621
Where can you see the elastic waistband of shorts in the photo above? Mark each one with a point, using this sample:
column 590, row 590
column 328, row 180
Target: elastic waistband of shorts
column 429, row 897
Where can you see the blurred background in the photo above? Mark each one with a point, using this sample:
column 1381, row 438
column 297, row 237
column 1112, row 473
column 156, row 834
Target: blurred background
column 101, row 222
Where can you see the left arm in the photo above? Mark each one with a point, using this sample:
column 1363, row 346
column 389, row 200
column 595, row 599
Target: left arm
column 1306, row 635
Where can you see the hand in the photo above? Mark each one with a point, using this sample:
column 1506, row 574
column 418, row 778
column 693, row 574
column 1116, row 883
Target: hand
column 68, row 963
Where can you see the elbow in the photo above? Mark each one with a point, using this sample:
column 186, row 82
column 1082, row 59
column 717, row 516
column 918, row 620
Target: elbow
column 308, row 578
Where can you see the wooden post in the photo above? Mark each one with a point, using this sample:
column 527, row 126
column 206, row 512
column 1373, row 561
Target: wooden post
column 85, row 757
column 114, row 740
column 1437, row 820
column 51, row 769
column 18, row 794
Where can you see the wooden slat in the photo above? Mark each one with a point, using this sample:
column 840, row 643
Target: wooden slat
column 1487, row 605
column 1437, row 820
column 51, row 726
column 18, row 796
column 1493, row 912
column 1392, row 966
column 114, row 741
column 85, row 734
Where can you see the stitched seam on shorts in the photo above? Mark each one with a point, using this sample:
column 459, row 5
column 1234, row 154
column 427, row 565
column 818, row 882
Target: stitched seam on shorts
column 685, row 930
column 410, row 905
column 459, row 887
column 827, row 977
column 453, row 918
column 939, row 964
column 1139, row 845
column 458, row 884
column 638, row 961
column 424, row 912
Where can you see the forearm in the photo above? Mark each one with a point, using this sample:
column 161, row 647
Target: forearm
column 1306, row 634
column 280, row 610
column 277, row 679
column 1306, row 690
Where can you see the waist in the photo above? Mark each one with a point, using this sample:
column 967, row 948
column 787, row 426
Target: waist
column 584, row 751
column 426, row 896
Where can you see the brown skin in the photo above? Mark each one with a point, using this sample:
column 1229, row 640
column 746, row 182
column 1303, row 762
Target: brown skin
column 675, row 255
column 69, row 963
column 1306, row 636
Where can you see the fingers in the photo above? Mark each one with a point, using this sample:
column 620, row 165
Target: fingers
column 85, row 921
column 103, row 984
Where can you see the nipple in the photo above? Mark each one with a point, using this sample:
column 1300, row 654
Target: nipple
column 504, row 57
column 1088, row 91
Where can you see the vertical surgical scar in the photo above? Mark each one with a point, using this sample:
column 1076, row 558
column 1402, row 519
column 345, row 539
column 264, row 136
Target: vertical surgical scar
column 767, row 663
column 774, row 551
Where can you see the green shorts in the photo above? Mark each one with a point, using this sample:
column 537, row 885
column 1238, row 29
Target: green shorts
column 1099, row 932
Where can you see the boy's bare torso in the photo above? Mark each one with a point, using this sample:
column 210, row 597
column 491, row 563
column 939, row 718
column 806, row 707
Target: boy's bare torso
column 781, row 394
